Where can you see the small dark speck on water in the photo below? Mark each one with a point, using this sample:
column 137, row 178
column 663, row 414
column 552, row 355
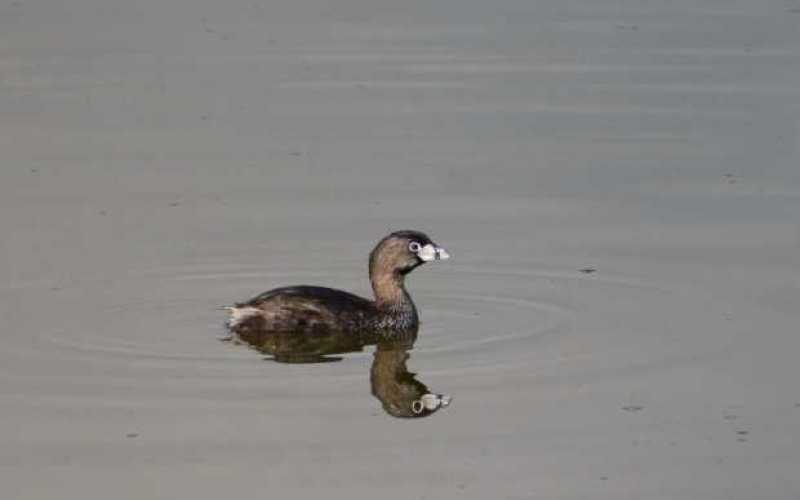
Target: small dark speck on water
column 588, row 270
column 633, row 408
column 604, row 478
column 102, row 212
column 742, row 433
column 174, row 204
column 34, row 170
column 132, row 435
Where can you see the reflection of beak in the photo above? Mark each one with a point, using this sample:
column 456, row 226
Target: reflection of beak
column 430, row 402
column 432, row 252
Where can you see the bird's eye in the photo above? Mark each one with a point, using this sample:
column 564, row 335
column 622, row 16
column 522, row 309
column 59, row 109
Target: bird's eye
column 414, row 246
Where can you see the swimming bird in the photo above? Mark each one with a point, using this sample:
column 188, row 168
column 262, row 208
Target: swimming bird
column 319, row 309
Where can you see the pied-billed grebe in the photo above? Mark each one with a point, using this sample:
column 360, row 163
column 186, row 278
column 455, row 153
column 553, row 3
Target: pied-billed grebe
column 318, row 309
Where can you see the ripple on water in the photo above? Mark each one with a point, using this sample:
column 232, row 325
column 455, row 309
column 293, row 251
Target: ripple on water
column 503, row 317
column 490, row 317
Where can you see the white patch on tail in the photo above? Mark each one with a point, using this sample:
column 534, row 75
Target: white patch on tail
column 239, row 314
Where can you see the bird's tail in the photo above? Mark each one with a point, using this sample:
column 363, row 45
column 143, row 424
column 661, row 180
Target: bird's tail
column 238, row 314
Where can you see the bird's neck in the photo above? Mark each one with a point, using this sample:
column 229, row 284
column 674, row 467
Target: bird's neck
column 390, row 292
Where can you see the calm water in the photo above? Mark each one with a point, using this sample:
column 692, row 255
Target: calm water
column 161, row 159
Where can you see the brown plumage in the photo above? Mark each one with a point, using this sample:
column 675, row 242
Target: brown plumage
column 311, row 309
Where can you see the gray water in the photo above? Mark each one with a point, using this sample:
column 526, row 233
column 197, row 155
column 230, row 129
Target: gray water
column 161, row 159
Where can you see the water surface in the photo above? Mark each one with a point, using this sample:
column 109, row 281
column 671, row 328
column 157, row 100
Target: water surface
column 161, row 159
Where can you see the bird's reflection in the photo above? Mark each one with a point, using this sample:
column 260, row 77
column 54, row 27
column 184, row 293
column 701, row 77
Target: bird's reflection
column 398, row 390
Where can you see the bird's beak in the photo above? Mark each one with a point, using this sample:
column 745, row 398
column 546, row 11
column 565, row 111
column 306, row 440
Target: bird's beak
column 432, row 252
